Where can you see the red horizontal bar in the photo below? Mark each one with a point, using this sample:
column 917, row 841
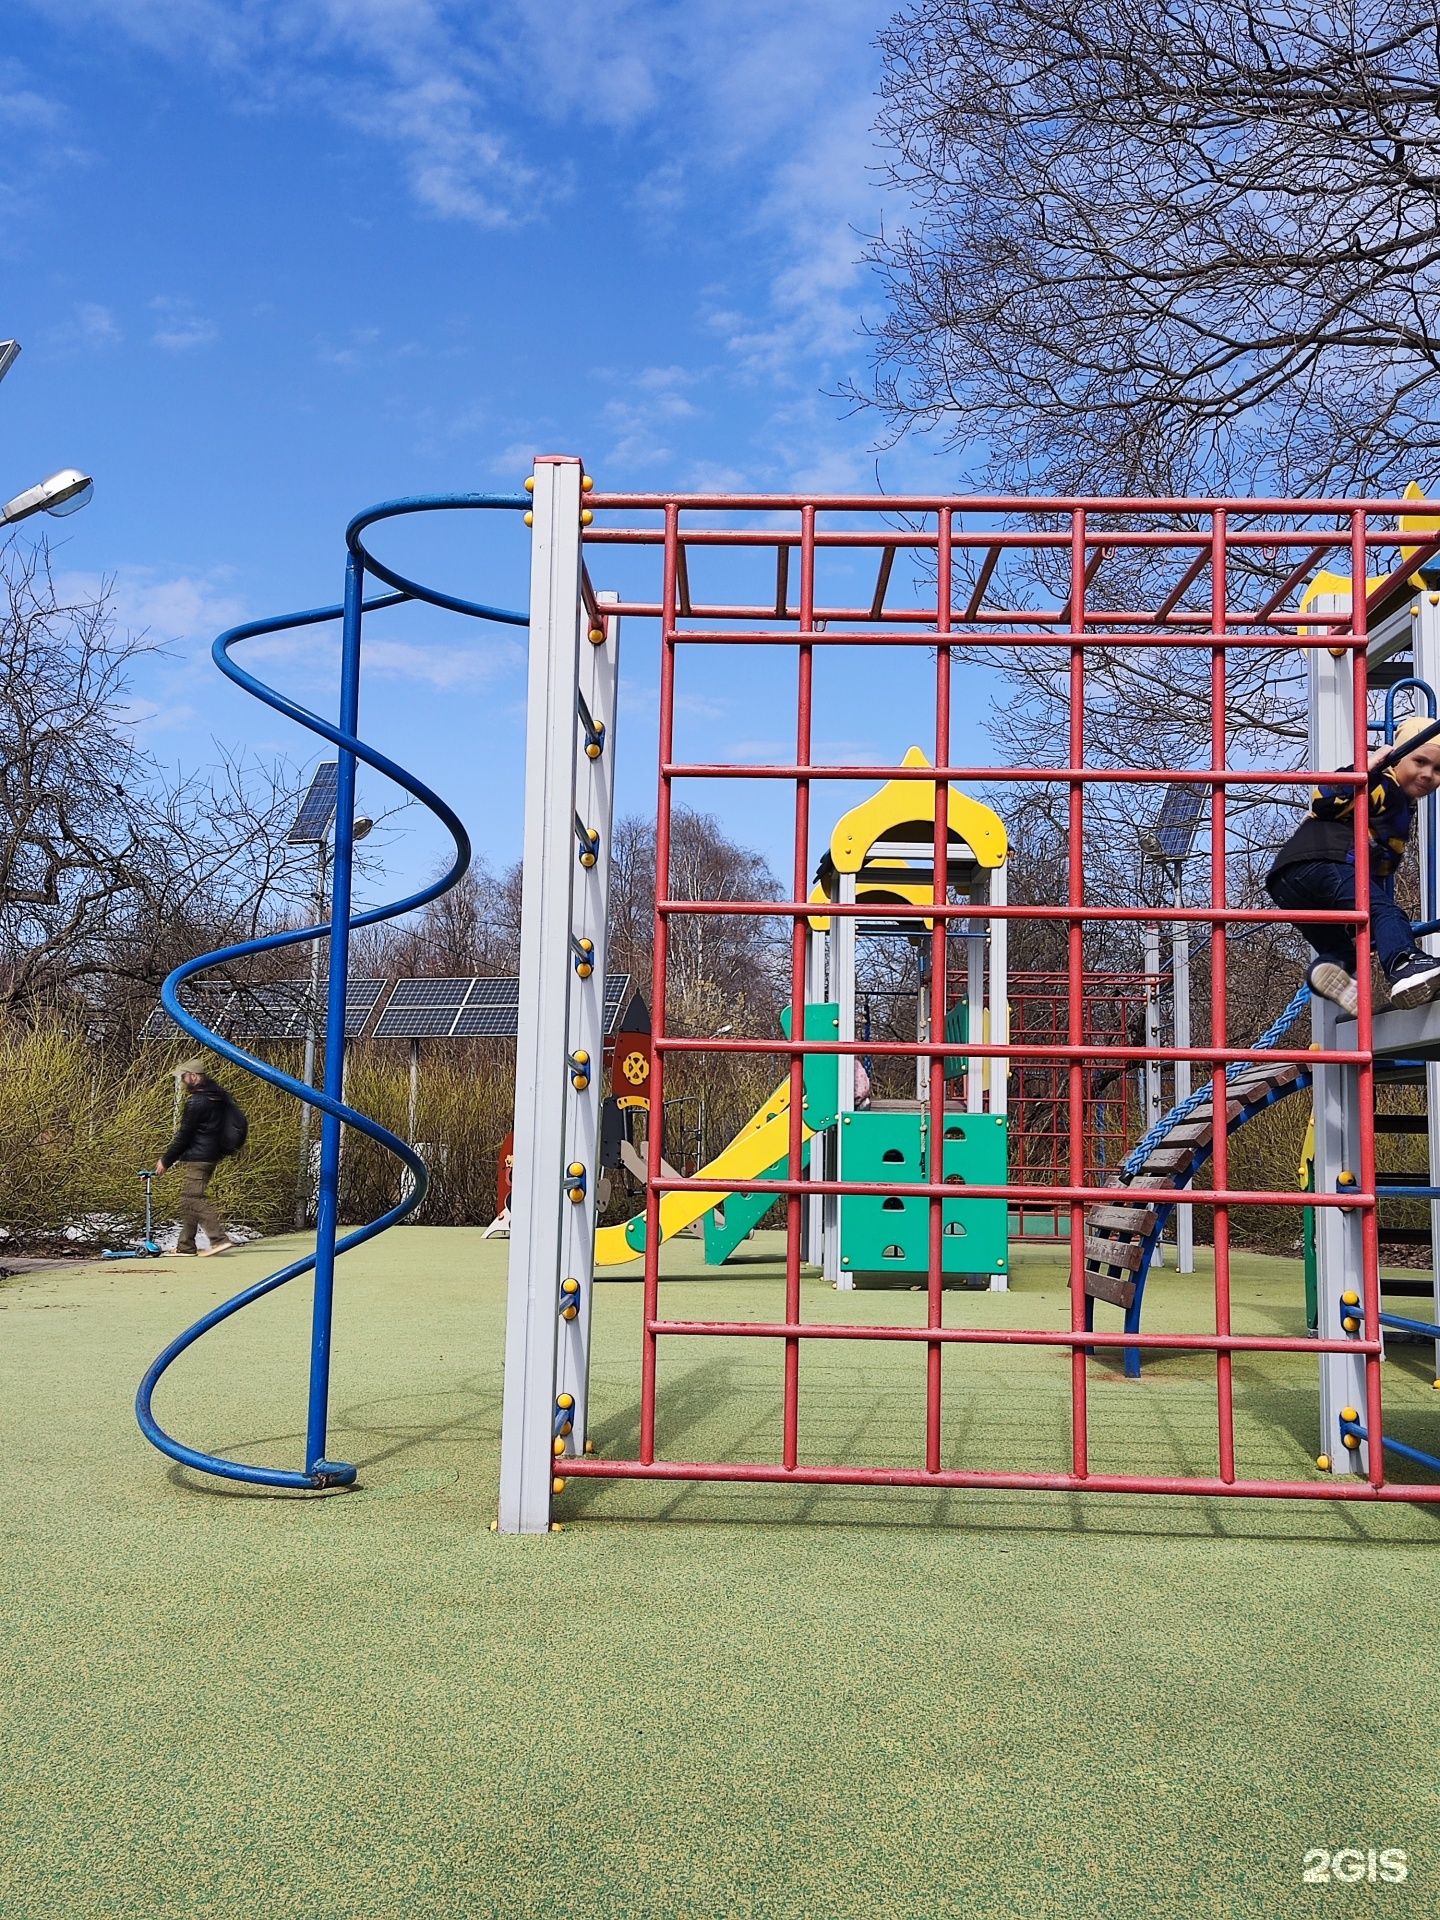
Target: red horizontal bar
column 591, row 1467
column 1096, row 776
column 1013, row 1337
column 1096, row 1196
column 992, row 1050
column 1014, row 539
column 1062, row 636
column 980, row 910
column 1097, row 504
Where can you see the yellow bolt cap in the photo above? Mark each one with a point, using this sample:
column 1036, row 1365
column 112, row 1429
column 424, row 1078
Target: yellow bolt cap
column 586, row 516
column 559, row 1447
column 1322, row 1460
column 597, row 636
column 529, row 519
column 1349, row 1299
column 1349, row 1413
column 565, row 1400
column 557, row 1485
column 1352, row 1441
column 586, row 483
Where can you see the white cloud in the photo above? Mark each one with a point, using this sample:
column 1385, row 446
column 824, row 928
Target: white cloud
column 179, row 328
column 444, row 667
column 169, row 609
column 640, row 417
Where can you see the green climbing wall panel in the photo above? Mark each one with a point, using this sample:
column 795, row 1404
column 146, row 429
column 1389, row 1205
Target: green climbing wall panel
column 890, row 1233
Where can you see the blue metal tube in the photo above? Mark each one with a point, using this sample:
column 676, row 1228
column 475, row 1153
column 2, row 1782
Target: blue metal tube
column 1394, row 1446
column 327, row 1212
column 1432, row 906
column 320, row 1473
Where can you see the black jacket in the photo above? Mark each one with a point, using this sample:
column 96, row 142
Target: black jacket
column 201, row 1125
column 1328, row 830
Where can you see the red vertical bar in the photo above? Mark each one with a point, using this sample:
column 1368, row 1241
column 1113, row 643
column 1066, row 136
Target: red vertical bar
column 1219, row 616
column 1364, row 1030
column 939, row 997
column 794, row 1202
column 655, row 1140
column 1075, row 1025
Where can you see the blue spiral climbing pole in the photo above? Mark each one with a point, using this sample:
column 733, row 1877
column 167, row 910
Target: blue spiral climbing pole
column 318, row 1471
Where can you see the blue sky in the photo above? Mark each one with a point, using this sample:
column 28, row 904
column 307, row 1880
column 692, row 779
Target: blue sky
column 272, row 260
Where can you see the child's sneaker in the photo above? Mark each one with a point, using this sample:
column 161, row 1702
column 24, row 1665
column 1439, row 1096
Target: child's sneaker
column 1330, row 980
column 1415, row 980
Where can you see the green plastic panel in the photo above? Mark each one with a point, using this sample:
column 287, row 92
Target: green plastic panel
column 890, row 1233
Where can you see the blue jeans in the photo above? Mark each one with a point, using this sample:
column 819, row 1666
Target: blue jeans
column 1329, row 886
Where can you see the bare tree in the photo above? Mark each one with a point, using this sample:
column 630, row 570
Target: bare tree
column 1167, row 248
column 472, row 929
column 719, row 964
column 110, row 871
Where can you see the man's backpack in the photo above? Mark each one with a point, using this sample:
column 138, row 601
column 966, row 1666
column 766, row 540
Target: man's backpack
column 234, row 1129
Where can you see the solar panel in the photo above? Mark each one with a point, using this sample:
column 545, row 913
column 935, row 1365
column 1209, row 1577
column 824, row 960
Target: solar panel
column 487, row 1023
column 1172, row 834
column 270, row 1010
column 483, row 1008
column 415, row 1023
column 317, row 809
column 429, row 993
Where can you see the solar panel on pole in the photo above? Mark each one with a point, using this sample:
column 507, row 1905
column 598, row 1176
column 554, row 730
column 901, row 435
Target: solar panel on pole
column 317, row 809
column 1171, row 836
column 269, row 1010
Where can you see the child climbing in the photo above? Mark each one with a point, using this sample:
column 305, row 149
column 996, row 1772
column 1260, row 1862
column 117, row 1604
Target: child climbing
column 1315, row 870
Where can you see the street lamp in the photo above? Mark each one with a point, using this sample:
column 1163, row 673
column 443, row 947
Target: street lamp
column 64, row 492
column 1168, row 843
column 312, row 828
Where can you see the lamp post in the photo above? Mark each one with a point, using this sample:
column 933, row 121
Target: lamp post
column 312, row 828
column 62, row 493
column 1168, row 844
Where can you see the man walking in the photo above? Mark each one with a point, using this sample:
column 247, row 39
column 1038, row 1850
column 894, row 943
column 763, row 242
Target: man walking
column 212, row 1127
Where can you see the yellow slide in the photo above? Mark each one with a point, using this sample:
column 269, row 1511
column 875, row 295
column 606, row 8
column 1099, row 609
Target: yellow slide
column 760, row 1143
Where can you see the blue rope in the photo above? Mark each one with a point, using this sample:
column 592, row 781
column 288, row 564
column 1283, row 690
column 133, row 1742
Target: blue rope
column 1136, row 1158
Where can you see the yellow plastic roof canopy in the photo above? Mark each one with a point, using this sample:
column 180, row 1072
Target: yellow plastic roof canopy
column 905, row 809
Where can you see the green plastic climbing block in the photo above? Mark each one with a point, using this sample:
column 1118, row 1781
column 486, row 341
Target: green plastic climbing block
column 890, row 1233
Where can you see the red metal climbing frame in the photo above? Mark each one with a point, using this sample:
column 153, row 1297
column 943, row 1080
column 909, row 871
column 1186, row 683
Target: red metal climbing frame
column 1002, row 574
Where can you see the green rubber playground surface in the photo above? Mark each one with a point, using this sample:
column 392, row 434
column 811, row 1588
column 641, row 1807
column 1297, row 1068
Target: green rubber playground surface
column 695, row 1702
